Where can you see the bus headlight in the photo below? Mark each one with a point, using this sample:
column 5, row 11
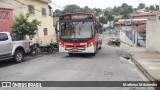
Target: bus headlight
column 91, row 43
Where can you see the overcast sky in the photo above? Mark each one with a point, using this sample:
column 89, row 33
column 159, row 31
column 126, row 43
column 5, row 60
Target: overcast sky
column 102, row 3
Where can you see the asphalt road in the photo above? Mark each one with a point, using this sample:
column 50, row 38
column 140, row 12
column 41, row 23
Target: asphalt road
column 107, row 65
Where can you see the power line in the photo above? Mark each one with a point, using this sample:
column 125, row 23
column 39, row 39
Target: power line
column 10, row 4
column 19, row 2
column 27, row 5
column 57, row 5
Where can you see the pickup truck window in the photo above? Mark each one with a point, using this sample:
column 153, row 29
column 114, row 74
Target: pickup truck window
column 3, row 37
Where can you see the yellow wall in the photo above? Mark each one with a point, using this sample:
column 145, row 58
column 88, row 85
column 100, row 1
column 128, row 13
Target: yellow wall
column 46, row 21
column 17, row 7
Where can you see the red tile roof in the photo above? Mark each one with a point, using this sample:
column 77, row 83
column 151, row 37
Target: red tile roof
column 6, row 8
column 140, row 28
column 121, row 22
column 151, row 13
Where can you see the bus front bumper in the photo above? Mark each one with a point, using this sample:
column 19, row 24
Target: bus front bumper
column 90, row 49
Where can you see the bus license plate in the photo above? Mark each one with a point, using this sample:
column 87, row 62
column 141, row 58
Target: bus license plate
column 74, row 50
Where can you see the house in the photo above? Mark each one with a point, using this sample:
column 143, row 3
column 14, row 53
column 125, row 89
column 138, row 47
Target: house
column 132, row 31
column 153, row 34
column 141, row 10
column 6, row 19
column 55, row 19
column 108, row 9
column 117, row 16
column 152, row 29
column 37, row 9
column 145, row 15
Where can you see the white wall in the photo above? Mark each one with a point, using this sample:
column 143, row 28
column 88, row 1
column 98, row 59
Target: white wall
column 153, row 35
column 145, row 17
column 123, row 36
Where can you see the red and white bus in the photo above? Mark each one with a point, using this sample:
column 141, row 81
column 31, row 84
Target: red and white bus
column 79, row 33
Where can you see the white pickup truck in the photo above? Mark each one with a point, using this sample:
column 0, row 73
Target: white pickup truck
column 12, row 49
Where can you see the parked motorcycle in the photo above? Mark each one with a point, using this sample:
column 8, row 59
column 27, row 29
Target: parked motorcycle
column 45, row 48
column 55, row 46
column 33, row 49
column 114, row 41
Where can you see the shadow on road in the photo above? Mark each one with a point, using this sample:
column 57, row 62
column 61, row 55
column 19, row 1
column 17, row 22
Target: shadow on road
column 9, row 62
column 5, row 63
column 81, row 55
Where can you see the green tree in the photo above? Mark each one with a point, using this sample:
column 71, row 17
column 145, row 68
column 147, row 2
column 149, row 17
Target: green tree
column 130, row 8
column 110, row 18
column 147, row 9
column 57, row 12
column 124, row 5
column 125, row 15
column 152, row 7
column 98, row 11
column 157, row 7
column 115, row 10
column 86, row 9
column 71, row 8
column 23, row 27
column 103, row 20
column 135, row 9
column 141, row 6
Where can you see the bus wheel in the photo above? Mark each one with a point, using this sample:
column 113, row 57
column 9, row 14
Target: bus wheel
column 100, row 47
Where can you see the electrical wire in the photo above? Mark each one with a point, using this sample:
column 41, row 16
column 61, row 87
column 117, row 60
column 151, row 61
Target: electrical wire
column 57, row 5
column 10, row 4
column 27, row 5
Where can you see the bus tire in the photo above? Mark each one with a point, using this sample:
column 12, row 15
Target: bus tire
column 100, row 47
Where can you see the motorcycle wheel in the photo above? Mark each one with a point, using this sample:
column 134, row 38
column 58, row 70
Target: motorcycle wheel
column 50, row 50
column 118, row 44
column 33, row 53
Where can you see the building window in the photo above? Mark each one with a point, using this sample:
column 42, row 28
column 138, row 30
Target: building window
column 4, row 15
column 45, row 31
column 31, row 9
column 44, row 12
column 50, row 12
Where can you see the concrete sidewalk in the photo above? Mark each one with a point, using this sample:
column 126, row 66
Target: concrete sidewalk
column 147, row 62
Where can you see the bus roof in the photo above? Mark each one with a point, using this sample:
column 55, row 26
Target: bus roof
column 81, row 13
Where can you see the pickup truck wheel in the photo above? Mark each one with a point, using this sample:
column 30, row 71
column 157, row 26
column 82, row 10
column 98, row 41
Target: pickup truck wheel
column 18, row 56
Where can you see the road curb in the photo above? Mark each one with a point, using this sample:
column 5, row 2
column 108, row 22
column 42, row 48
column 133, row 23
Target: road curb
column 145, row 72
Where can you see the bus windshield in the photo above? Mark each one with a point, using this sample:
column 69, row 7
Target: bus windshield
column 76, row 29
